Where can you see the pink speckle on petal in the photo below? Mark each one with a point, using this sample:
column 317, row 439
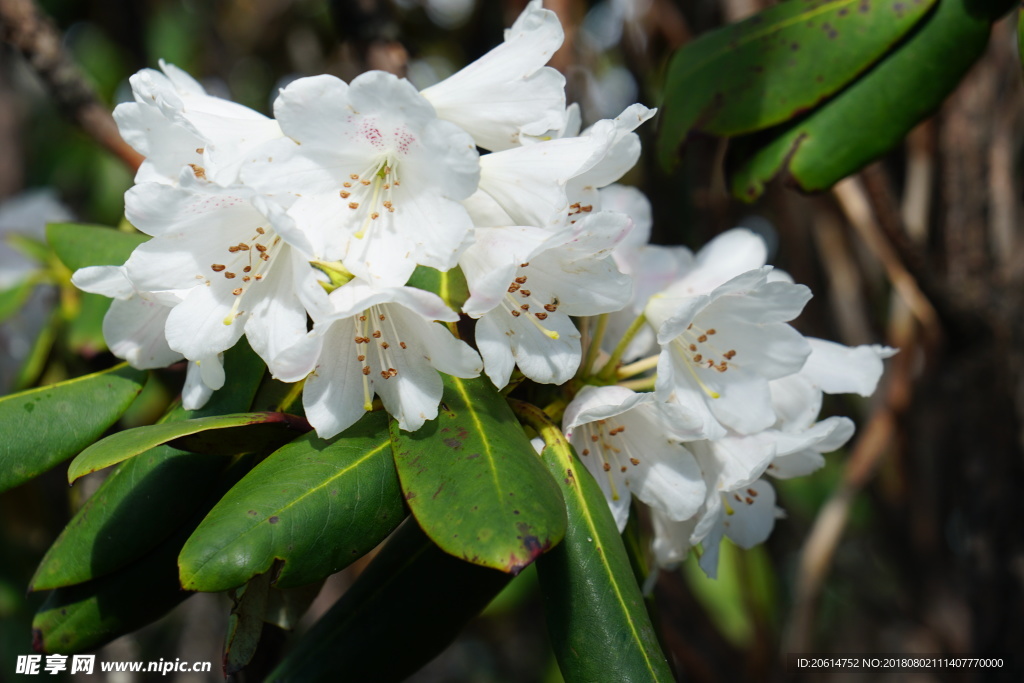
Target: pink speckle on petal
column 369, row 130
column 404, row 139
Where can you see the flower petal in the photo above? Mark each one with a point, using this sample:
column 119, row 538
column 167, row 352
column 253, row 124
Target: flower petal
column 508, row 88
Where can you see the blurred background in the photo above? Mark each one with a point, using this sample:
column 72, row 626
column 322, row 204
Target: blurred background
column 909, row 541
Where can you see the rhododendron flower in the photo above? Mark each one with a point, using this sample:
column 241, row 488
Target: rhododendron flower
column 508, row 93
column 233, row 272
column 719, row 350
column 525, row 283
column 370, row 174
column 173, row 122
column 376, row 340
column 629, row 442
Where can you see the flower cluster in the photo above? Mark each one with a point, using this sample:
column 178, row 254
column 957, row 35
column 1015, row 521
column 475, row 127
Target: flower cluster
column 302, row 232
column 736, row 394
column 325, row 211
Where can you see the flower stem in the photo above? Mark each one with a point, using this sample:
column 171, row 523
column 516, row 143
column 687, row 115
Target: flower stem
column 593, row 346
column 642, row 365
column 607, row 373
column 641, row 384
column 533, row 416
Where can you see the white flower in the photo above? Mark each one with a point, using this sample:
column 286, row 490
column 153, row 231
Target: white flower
column 174, row 123
column 626, row 440
column 746, row 516
column 134, row 331
column 371, row 174
column 731, row 464
column 620, row 156
column 134, row 324
column 508, row 92
column 728, row 255
column 534, row 184
column 652, row 267
column 525, row 283
column 381, row 341
column 719, row 350
column 234, row 274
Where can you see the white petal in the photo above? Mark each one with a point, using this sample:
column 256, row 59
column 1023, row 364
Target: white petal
column 332, row 396
column 109, row 281
column 277, row 318
column 636, row 205
column 490, row 263
column 196, row 327
column 313, row 108
column 598, row 403
column 529, row 182
column 495, row 350
column 671, row 542
column 134, row 330
column 839, row 369
column 753, row 516
column 508, row 88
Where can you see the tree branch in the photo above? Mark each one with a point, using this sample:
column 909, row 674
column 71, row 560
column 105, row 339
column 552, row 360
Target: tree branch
column 31, row 32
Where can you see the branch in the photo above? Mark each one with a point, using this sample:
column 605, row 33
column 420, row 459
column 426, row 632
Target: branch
column 24, row 26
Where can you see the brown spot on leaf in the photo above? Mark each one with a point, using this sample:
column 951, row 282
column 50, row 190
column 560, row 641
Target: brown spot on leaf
column 274, row 520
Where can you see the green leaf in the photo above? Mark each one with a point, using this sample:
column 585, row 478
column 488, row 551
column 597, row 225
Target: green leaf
column 78, row 245
column 148, row 497
column 88, row 615
column 42, row 427
column 776, row 64
column 141, row 503
column 402, row 611
column 872, row 115
column 245, row 623
column 244, row 433
column 599, row 626
column 474, row 482
column 450, row 285
column 315, row 505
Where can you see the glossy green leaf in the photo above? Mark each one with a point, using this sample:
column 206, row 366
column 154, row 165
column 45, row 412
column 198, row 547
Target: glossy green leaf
column 142, row 502
column 315, row 505
column 148, row 497
column 243, row 433
column 871, row 116
column 777, row 64
column 78, row 245
column 599, row 626
column 42, row 427
column 88, row 615
column 474, row 482
column 450, row 285
column 402, row 611
column 249, row 604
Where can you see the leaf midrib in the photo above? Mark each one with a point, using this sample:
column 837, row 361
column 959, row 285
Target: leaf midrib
column 292, row 503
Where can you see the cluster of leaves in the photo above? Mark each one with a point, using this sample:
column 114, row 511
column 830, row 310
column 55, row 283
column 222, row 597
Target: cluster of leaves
column 812, row 91
column 242, row 496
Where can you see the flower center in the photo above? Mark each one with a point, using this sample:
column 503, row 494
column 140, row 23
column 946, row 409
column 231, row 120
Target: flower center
column 377, row 342
column 696, row 348
column 600, row 438
column 246, row 264
column 519, row 300
column 371, row 194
